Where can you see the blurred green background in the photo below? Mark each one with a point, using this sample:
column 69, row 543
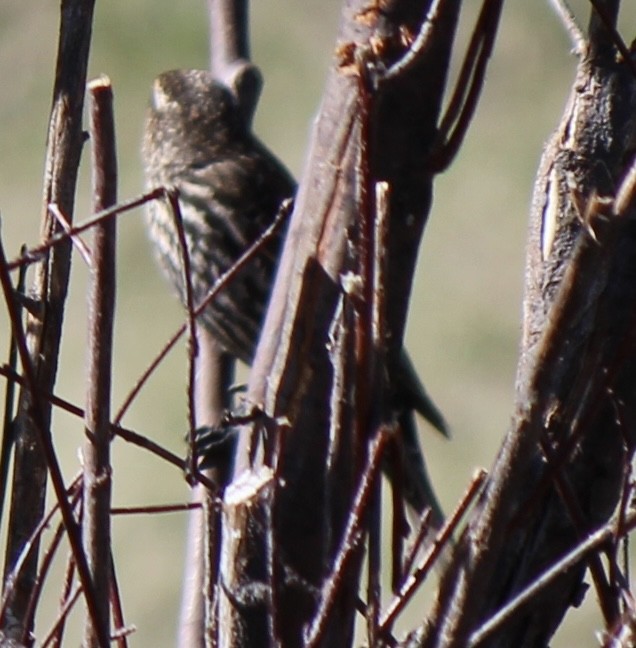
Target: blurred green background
column 465, row 315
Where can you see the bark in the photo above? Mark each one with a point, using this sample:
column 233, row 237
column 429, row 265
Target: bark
column 560, row 471
column 44, row 325
column 97, row 477
column 303, row 463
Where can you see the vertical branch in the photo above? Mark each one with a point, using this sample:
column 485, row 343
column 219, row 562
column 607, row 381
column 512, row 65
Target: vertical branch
column 50, row 287
column 229, row 37
column 602, row 26
column 45, row 443
column 116, row 604
column 8, row 432
column 213, row 368
column 294, row 375
column 97, row 469
column 214, row 376
column 374, row 567
column 230, row 52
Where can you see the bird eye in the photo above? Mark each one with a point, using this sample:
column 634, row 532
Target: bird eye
column 160, row 99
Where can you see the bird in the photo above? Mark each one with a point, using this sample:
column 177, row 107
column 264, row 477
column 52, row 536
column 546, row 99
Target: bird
column 199, row 141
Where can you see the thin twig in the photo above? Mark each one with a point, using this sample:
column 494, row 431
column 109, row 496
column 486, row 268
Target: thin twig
column 219, row 285
column 154, row 510
column 569, row 561
column 398, row 523
column 35, row 254
column 27, row 548
column 463, row 104
column 351, row 540
column 67, row 586
column 8, row 431
column 121, row 631
column 374, row 561
column 46, row 443
column 61, row 619
column 193, row 345
column 417, row 48
column 610, row 25
column 47, row 559
column 579, row 42
column 423, row 532
column 83, row 249
column 126, row 434
column 442, row 540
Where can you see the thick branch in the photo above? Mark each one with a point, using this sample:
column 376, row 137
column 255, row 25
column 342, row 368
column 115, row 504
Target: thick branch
column 560, row 471
column 211, row 367
column 293, row 374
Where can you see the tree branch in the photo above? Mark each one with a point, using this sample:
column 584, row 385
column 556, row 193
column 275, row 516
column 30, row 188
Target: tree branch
column 295, row 375
column 97, row 480
column 50, row 286
column 560, row 471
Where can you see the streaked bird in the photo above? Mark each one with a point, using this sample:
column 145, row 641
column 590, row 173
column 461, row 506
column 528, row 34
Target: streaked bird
column 231, row 188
